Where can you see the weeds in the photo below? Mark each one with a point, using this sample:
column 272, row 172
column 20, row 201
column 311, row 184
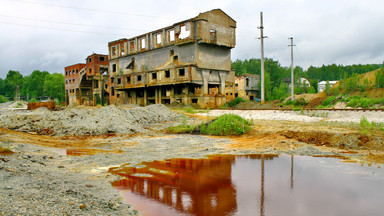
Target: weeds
column 5, row 149
column 368, row 127
column 227, row 124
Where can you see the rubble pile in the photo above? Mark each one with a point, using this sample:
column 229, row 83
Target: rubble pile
column 88, row 121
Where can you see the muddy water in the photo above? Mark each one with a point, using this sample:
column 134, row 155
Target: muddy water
column 253, row 185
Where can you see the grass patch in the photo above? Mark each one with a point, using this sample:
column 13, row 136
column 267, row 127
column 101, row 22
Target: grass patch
column 233, row 103
column 365, row 103
column 5, row 150
column 370, row 127
column 227, row 124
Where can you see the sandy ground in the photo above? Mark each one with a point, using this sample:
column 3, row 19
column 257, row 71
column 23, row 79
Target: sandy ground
column 68, row 175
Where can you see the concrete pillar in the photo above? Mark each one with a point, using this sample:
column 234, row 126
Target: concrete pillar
column 145, row 96
column 223, row 76
column 172, row 95
column 159, row 95
column 205, row 75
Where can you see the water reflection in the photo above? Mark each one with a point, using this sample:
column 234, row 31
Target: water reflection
column 228, row 185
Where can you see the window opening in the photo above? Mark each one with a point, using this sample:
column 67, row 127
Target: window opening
column 154, row 75
column 142, row 43
column 181, row 72
column 118, row 80
column 167, row 74
column 171, row 35
column 129, row 79
column 102, row 58
column 139, row 78
column 114, row 68
column 114, row 51
column 213, row 34
column 158, row 39
column 184, row 33
column 90, row 70
column 247, row 82
column 89, row 59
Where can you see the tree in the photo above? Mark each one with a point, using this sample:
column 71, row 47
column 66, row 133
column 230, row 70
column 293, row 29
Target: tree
column 34, row 84
column 13, row 79
column 54, row 86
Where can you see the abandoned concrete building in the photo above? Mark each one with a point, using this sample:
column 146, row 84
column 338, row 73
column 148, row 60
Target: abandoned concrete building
column 188, row 62
column 246, row 86
column 87, row 84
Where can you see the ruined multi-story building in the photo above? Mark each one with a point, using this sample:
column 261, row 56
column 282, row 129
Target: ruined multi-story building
column 188, row 62
column 246, row 86
column 87, row 84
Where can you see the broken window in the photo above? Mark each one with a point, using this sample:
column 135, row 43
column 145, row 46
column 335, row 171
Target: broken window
column 122, row 52
column 158, row 39
column 237, row 84
column 102, row 58
column 106, row 86
column 114, row 68
column 167, row 74
column 171, row 35
column 129, row 79
column 89, row 59
column 213, row 34
column 77, row 70
column 66, row 73
column 247, row 82
column 118, row 81
column 131, row 64
column 184, row 32
column 112, row 80
column 73, row 71
column 90, row 70
column 114, row 51
column 181, row 72
column 139, row 78
column 142, row 43
column 113, row 91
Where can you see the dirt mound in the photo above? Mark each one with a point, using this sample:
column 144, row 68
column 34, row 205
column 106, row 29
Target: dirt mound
column 50, row 105
column 339, row 140
column 88, row 121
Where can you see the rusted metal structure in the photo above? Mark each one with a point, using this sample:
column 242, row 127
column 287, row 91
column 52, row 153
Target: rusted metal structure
column 188, row 62
column 87, row 84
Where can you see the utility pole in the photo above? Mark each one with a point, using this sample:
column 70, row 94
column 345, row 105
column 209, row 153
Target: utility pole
column 262, row 58
column 292, row 80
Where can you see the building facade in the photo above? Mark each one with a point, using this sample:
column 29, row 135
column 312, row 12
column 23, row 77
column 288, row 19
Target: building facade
column 245, row 86
column 87, row 84
column 188, row 62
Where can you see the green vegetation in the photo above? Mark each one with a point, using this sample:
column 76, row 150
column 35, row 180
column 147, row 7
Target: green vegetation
column 3, row 99
column 366, row 103
column 370, row 127
column 276, row 89
column 379, row 83
column 296, row 103
column 330, row 101
column 36, row 85
column 234, row 102
column 227, row 124
column 33, row 100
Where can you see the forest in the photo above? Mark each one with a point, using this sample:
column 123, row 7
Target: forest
column 43, row 85
column 37, row 86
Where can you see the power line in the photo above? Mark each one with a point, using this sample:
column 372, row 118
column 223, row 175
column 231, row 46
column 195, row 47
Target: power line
column 68, row 30
column 89, row 9
column 68, row 23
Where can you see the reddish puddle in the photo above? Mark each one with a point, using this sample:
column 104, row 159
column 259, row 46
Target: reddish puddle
column 252, row 185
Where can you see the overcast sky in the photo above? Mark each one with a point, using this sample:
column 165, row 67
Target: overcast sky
column 49, row 35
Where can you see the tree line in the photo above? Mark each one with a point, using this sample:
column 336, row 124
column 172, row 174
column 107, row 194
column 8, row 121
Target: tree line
column 38, row 85
column 275, row 73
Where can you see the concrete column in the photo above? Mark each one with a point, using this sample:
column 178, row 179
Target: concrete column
column 145, row 96
column 205, row 75
column 172, row 95
column 223, row 76
column 156, row 96
column 159, row 95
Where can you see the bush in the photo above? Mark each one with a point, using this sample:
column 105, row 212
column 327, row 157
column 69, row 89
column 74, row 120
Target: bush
column 235, row 102
column 3, row 99
column 33, row 100
column 227, row 124
column 328, row 101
